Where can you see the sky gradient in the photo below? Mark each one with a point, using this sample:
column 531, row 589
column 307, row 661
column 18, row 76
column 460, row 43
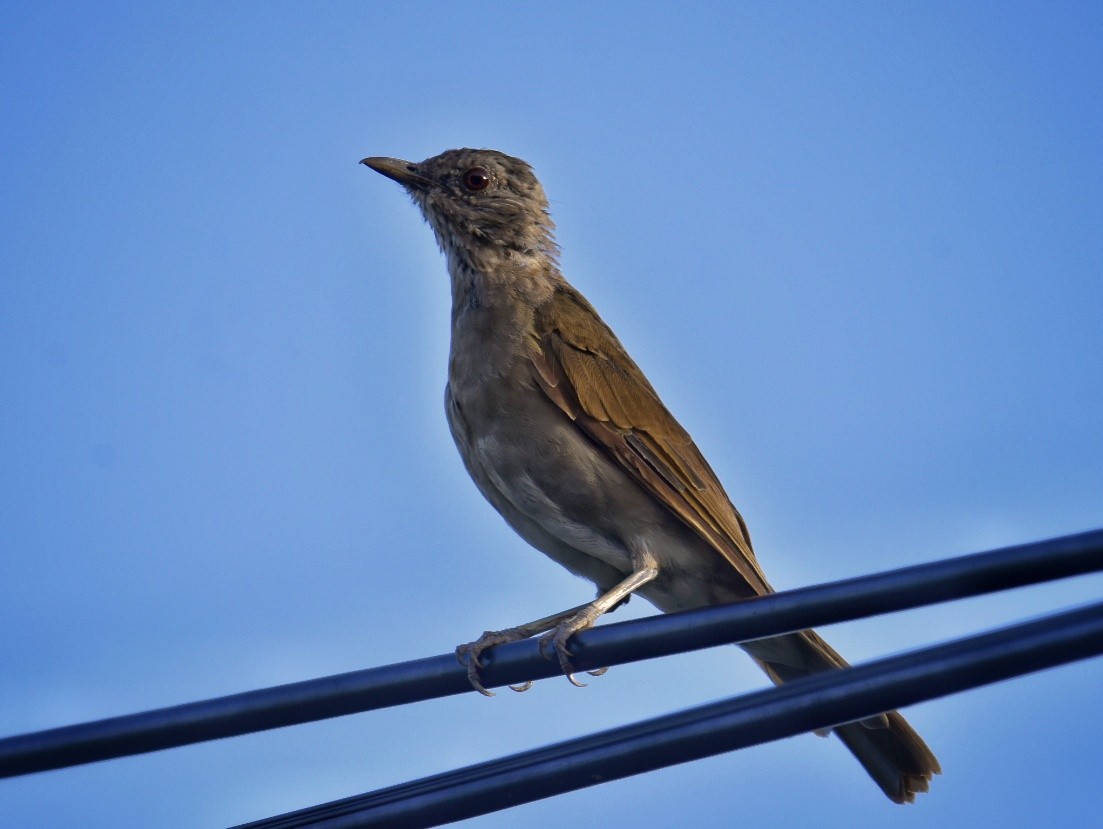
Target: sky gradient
column 858, row 248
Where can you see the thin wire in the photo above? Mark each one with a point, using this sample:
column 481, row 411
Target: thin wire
column 519, row 662
column 802, row 705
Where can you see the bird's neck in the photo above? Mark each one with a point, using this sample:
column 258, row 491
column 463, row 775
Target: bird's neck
column 493, row 308
column 499, row 281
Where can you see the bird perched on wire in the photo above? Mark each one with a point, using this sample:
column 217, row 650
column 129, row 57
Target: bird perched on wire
column 567, row 439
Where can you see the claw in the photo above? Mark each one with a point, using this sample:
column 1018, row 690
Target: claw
column 565, row 661
column 560, row 628
column 557, row 639
column 473, row 678
column 468, row 656
column 476, row 683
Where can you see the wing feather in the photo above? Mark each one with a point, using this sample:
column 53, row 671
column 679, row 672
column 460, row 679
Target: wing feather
column 585, row 371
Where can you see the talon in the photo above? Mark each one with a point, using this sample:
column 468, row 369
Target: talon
column 558, row 639
column 476, row 682
column 565, row 660
column 468, row 656
column 559, row 628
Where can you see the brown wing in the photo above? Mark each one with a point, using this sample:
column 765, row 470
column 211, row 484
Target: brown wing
column 585, row 371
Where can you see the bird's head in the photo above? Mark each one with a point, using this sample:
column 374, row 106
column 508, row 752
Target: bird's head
column 480, row 203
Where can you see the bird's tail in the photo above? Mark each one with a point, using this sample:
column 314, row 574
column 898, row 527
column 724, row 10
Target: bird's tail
column 886, row 745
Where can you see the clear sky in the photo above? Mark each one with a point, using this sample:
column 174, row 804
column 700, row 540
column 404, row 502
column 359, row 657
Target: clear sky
column 857, row 247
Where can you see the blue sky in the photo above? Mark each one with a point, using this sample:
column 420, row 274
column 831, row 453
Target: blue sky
column 857, row 247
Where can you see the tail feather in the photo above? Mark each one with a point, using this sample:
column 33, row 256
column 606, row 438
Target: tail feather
column 889, row 749
column 896, row 757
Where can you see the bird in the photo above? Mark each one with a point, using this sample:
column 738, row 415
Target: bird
column 567, row 439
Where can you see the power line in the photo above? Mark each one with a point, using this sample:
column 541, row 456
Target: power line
column 813, row 702
column 661, row 635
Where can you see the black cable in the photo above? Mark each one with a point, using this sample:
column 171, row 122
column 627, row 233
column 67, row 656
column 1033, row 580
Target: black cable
column 813, row 702
column 660, row 635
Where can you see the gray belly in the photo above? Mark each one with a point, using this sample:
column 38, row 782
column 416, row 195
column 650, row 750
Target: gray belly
column 567, row 499
column 536, row 469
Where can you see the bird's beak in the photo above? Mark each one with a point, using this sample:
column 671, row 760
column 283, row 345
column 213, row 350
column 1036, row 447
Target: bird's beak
column 404, row 172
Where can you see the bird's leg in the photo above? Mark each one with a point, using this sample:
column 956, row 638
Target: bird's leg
column 645, row 569
column 469, row 654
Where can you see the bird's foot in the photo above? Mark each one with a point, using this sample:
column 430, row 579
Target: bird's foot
column 558, row 637
column 469, row 654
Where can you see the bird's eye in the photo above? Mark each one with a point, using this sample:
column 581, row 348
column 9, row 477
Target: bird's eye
column 476, row 179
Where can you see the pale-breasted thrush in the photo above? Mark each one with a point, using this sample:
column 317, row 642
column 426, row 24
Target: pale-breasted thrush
column 566, row 438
